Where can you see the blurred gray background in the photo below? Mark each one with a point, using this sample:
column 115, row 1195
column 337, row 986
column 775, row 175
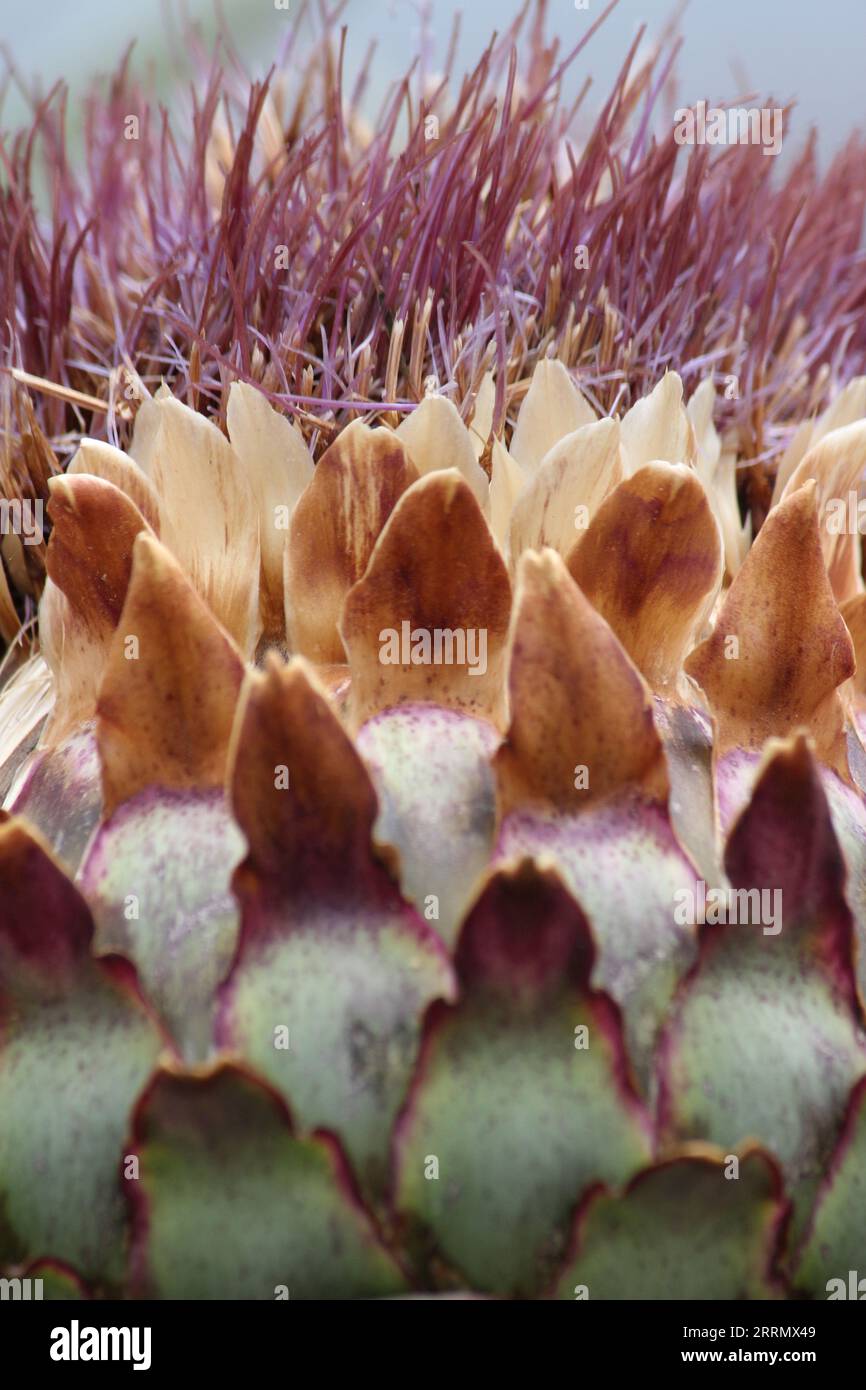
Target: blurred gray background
column 814, row 52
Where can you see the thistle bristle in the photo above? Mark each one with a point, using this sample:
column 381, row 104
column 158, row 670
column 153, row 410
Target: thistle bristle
column 278, row 241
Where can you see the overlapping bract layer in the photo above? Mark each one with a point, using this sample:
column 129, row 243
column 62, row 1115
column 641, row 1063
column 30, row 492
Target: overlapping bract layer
column 372, row 976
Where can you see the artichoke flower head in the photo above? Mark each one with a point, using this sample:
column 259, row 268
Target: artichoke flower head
column 433, row 845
